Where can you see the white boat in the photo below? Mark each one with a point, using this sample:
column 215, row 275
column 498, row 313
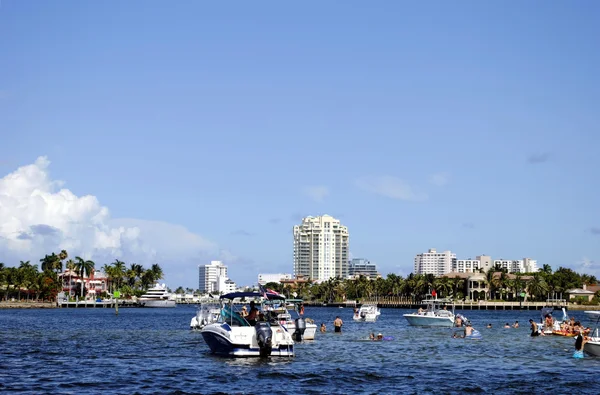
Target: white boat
column 367, row 312
column 157, row 296
column 592, row 345
column 232, row 335
column 208, row 312
column 283, row 313
column 434, row 315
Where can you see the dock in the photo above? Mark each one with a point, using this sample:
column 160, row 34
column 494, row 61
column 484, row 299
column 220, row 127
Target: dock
column 94, row 304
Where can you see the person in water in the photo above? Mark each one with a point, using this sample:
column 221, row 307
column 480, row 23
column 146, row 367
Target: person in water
column 379, row 336
column 507, row 325
column 489, row 326
column 337, row 324
column 458, row 321
column 468, row 330
column 534, row 328
column 323, row 327
column 580, row 341
column 516, row 324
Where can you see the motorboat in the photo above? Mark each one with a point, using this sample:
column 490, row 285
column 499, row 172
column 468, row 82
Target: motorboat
column 232, row 335
column 436, row 313
column 207, row 313
column 592, row 345
column 367, row 312
column 291, row 316
column 157, row 296
column 555, row 327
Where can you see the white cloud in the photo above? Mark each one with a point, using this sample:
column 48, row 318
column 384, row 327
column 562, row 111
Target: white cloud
column 587, row 266
column 440, row 179
column 317, row 193
column 37, row 217
column 391, row 187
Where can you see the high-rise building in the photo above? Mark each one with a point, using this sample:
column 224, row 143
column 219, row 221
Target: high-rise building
column 360, row 266
column 433, row 262
column 321, row 248
column 211, row 278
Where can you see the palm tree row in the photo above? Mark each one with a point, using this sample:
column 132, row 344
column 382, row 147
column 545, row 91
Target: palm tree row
column 500, row 284
column 27, row 279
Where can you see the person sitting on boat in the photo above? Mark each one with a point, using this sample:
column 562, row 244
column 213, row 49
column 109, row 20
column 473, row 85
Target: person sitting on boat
column 323, row 327
column 549, row 321
column 253, row 314
column 421, row 311
column 244, row 312
column 579, row 343
column 516, row 324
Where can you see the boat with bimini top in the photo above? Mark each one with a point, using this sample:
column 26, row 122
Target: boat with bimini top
column 233, row 335
column 436, row 313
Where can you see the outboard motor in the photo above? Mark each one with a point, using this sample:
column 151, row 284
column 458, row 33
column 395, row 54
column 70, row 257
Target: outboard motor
column 300, row 328
column 264, row 335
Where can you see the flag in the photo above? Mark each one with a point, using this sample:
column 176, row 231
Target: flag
column 269, row 293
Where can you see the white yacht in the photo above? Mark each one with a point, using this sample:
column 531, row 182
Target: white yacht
column 157, row 296
column 434, row 315
column 301, row 328
column 208, row 313
column 367, row 312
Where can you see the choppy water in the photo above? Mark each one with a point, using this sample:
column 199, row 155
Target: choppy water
column 77, row 351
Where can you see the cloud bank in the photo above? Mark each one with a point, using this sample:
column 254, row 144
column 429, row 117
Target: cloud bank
column 38, row 216
column 317, row 193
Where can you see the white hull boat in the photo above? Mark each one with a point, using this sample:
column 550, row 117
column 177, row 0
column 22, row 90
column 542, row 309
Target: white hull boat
column 592, row 346
column 367, row 312
column 434, row 315
column 283, row 314
column 157, row 296
column 233, row 336
column 206, row 314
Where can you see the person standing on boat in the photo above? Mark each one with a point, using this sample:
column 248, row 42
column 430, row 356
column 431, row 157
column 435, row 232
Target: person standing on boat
column 337, row 324
column 301, row 309
column 579, row 343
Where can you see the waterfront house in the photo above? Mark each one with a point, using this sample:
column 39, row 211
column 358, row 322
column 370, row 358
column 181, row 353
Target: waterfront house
column 95, row 284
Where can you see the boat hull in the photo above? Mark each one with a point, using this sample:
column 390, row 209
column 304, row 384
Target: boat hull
column 423, row 320
column 156, row 303
column 241, row 341
column 592, row 348
column 309, row 332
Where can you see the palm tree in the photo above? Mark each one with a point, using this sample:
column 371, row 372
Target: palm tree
column 84, row 268
column 157, row 272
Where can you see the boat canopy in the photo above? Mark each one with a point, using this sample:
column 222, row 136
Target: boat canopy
column 235, row 295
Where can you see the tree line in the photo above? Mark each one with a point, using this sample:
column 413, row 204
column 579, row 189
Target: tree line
column 28, row 281
column 416, row 287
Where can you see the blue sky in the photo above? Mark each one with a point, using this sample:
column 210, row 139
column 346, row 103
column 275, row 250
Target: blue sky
column 469, row 126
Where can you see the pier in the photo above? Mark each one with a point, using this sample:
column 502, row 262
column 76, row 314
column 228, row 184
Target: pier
column 94, row 304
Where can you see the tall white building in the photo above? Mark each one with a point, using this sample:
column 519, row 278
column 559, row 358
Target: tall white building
column 483, row 262
column 213, row 278
column 321, row 248
column 433, row 262
column 264, row 278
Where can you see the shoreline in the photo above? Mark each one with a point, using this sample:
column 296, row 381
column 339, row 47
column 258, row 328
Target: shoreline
column 28, row 305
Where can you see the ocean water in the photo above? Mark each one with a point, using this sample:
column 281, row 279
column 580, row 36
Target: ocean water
column 143, row 351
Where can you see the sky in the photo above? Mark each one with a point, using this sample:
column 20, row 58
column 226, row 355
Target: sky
column 180, row 133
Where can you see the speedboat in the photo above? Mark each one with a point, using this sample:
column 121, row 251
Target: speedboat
column 157, row 296
column 434, row 315
column 301, row 328
column 592, row 345
column 232, row 335
column 207, row 313
column 367, row 312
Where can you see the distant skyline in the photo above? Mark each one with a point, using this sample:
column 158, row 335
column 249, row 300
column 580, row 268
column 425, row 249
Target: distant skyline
column 192, row 132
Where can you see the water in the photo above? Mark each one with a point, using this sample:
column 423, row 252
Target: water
column 79, row 351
